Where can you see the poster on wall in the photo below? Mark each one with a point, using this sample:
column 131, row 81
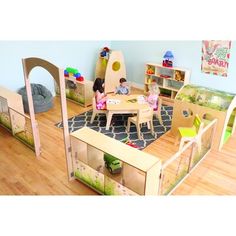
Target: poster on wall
column 215, row 56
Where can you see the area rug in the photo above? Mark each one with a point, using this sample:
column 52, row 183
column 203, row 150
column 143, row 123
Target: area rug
column 117, row 129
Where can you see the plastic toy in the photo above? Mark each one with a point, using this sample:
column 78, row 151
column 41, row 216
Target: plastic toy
column 129, row 142
column 178, row 76
column 168, row 59
column 105, row 51
column 112, row 164
column 150, row 70
column 69, row 71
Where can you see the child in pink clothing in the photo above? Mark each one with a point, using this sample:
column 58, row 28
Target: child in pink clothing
column 152, row 98
column 100, row 97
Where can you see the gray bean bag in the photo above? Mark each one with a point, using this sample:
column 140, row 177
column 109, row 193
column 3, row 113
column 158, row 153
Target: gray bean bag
column 42, row 98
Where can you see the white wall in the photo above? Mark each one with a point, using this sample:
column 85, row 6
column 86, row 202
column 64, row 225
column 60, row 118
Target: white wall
column 78, row 54
column 187, row 54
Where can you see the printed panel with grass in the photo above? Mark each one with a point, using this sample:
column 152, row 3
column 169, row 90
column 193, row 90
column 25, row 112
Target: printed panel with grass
column 5, row 119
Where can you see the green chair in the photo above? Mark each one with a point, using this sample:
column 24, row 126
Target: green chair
column 188, row 133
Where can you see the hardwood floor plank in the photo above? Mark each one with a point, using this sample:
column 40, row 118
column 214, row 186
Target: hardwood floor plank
column 22, row 174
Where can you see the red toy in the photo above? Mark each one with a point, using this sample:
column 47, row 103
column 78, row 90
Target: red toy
column 167, row 63
column 128, row 142
column 81, row 78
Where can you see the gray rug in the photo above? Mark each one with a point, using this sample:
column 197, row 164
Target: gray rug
column 117, row 129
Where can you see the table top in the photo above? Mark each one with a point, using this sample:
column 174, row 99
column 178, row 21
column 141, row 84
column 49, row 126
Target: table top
column 126, row 102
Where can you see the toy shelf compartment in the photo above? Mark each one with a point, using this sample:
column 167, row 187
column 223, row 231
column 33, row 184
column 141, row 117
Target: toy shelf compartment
column 169, row 79
column 79, row 92
column 90, row 166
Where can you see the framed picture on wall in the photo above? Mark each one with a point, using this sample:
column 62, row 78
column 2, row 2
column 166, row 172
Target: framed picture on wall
column 215, row 57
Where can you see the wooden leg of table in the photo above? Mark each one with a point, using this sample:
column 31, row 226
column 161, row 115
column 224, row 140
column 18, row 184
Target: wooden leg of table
column 109, row 116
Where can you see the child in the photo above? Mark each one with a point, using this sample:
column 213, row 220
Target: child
column 101, row 98
column 153, row 95
column 123, row 88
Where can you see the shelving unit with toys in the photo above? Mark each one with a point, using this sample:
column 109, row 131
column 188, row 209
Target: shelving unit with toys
column 137, row 172
column 169, row 79
column 78, row 89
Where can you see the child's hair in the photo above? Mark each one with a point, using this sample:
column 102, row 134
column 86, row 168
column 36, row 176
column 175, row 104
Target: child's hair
column 122, row 80
column 153, row 88
column 98, row 85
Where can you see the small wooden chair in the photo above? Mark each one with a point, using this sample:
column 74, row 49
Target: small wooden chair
column 188, row 133
column 143, row 116
column 96, row 111
column 158, row 111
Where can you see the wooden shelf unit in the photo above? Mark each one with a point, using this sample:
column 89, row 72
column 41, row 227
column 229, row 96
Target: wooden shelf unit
column 169, row 79
column 80, row 92
column 140, row 171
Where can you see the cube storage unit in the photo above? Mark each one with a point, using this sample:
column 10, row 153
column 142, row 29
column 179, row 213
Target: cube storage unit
column 80, row 92
column 14, row 101
column 139, row 174
column 13, row 118
column 169, row 79
column 208, row 104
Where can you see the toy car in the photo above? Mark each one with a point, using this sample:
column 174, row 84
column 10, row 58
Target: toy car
column 112, row 164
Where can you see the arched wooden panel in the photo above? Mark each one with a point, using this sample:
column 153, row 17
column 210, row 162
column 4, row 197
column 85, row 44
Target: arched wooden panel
column 58, row 75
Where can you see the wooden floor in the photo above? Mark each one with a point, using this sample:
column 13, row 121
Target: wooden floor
column 215, row 175
column 22, row 174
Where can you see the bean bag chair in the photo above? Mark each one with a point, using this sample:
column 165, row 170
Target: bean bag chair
column 42, row 98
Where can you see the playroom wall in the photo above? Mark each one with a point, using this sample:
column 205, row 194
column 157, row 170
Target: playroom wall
column 83, row 55
column 187, row 55
column 78, row 54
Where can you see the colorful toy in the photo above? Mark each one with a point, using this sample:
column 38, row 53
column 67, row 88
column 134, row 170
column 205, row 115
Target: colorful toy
column 178, row 76
column 112, row 164
column 150, row 70
column 105, row 51
column 69, row 71
column 129, row 142
column 168, row 59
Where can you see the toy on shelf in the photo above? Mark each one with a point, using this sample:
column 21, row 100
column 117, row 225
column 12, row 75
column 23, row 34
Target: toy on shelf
column 105, row 52
column 169, row 80
column 112, row 164
column 168, row 59
column 69, row 71
column 150, row 70
column 179, row 76
column 77, row 88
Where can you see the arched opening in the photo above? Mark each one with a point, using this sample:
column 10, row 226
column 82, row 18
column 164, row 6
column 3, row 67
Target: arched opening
column 58, row 75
